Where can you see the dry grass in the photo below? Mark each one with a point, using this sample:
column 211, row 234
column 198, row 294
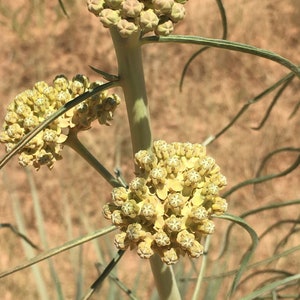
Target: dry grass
column 216, row 87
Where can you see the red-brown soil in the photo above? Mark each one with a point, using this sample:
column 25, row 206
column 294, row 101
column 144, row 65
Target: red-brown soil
column 38, row 42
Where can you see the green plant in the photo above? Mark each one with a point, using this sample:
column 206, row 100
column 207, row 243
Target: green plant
column 163, row 170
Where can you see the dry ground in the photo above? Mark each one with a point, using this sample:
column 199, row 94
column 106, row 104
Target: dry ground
column 38, row 42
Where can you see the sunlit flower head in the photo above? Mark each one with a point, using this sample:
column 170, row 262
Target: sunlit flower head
column 32, row 107
column 168, row 207
column 129, row 16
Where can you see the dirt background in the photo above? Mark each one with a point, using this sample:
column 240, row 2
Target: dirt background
column 38, row 42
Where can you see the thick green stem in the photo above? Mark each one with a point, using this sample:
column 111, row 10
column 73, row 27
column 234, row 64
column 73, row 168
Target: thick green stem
column 131, row 74
column 164, row 279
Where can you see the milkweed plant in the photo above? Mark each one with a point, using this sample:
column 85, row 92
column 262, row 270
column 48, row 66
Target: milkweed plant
column 167, row 212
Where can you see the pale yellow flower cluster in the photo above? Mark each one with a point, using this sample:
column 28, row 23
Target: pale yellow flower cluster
column 32, row 107
column 168, row 207
column 129, row 16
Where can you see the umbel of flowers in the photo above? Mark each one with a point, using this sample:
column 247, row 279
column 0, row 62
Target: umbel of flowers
column 32, row 107
column 168, row 207
column 129, row 16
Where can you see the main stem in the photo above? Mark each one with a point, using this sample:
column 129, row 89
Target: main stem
column 131, row 73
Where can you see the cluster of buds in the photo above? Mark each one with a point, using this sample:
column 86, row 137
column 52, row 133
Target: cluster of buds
column 129, row 16
column 167, row 209
column 32, row 107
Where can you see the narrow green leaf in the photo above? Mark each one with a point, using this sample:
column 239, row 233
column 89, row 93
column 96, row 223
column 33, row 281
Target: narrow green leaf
column 224, row 44
column 252, row 212
column 263, row 178
column 247, row 256
column 271, row 286
column 105, row 75
column 42, row 231
column 54, row 251
column 250, row 102
column 198, row 52
column 273, row 103
column 61, row 4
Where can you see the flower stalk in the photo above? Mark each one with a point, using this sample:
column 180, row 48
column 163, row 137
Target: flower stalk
column 131, row 74
column 74, row 143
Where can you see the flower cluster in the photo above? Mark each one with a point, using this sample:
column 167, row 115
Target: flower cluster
column 129, row 16
column 167, row 209
column 32, row 107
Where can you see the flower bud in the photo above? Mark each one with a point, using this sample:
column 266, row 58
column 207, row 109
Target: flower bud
column 126, row 28
column 219, row 206
column 131, row 8
column 120, row 241
column 162, row 239
column 134, row 232
column 119, row 196
column 95, row 6
column 164, row 28
column 170, row 256
column 144, row 249
column 178, row 12
column 185, row 239
column 207, row 226
column 163, row 6
column 130, row 208
column 196, row 250
column 174, row 224
column 148, row 20
column 109, row 17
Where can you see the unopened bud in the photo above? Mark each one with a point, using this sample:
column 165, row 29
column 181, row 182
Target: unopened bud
column 148, row 20
column 164, row 28
column 163, row 6
column 126, row 28
column 131, row 8
column 109, row 17
column 177, row 13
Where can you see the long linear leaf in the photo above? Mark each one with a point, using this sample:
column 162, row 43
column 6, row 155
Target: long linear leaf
column 19, row 234
column 122, row 286
column 247, row 256
column 257, row 264
column 249, row 103
column 39, row 280
column 42, row 232
column 224, row 37
column 54, row 251
column 197, row 290
column 61, row 4
column 263, row 178
column 272, row 153
column 271, row 286
column 273, row 103
column 255, row 211
column 98, row 282
column 264, row 272
column 224, row 44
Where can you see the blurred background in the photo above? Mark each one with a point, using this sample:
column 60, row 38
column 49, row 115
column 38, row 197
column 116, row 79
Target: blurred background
column 39, row 42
